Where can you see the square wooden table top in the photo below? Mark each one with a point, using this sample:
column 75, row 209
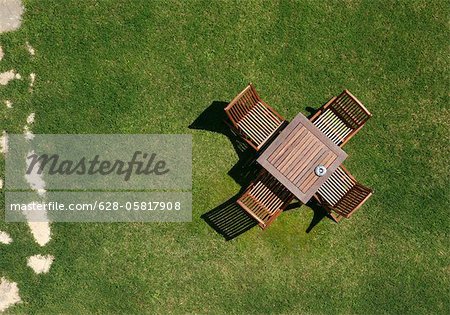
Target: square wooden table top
column 293, row 156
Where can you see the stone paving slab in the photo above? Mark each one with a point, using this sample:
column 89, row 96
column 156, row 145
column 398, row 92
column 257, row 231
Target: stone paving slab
column 10, row 15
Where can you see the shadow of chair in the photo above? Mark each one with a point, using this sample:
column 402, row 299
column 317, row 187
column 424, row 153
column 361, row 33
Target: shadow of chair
column 311, row 111
column 229, row 219
column 318, row 210
column 213, row 119
column 319, row 214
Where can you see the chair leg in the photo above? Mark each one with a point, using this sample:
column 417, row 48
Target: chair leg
column 336, row 218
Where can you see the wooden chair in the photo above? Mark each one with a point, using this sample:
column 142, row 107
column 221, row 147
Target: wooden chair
column 252, row 118
column 341, row 118
column 342, row 194
column 265, row 199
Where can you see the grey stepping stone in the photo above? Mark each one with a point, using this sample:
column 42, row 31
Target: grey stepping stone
column 10, row 15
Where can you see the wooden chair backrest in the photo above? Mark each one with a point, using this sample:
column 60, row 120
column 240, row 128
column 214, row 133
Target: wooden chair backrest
column 350, row 110
column 253, row 119
column 341, row 117
column 242, row 104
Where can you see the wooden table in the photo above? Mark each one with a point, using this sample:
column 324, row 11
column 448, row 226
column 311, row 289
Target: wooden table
column 293, row 156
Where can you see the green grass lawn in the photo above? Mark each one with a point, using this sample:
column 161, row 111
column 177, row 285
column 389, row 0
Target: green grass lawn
column 154, row 67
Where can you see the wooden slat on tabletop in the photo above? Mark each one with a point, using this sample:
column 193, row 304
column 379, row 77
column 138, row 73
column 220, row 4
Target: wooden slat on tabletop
column 296, row 152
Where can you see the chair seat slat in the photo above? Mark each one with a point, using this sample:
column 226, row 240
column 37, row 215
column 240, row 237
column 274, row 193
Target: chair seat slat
column 341, row 118
column 342, row 194
column 265, row 199
column 256, row 121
